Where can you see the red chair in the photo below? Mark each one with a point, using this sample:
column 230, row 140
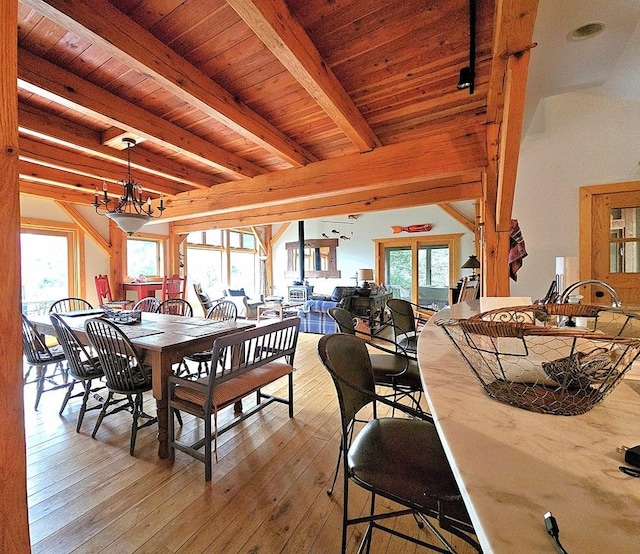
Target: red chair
column 103, row 290
column 173, row 287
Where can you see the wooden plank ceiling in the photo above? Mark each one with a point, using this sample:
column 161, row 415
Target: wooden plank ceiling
column 260, row 111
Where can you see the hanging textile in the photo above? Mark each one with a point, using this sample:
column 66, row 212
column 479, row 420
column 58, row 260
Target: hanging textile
column 517, row 250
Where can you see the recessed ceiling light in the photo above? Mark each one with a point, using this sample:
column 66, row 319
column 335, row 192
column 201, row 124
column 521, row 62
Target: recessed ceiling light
column 586, row 31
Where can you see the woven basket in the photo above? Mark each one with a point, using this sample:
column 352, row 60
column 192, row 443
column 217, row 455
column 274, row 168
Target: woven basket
column 558, row 359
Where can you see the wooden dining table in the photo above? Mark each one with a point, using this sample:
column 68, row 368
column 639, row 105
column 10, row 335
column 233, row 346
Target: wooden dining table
column 162, row 340
column 142, row 289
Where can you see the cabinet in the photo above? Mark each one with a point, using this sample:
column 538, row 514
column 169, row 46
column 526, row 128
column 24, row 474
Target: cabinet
column 300, row 293
column 372, row 309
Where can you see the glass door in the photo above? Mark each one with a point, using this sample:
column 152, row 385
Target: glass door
column 433, row 275
column 419, row 269
column 398, row 271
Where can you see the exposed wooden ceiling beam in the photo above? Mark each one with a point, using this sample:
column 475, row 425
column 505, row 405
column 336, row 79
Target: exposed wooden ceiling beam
column 429, row 160
column 510, row 137
column 59, row 131
column 84, row 224
column 513, row 25
column 273, row 23
column 276, row 236
column 56, row 192
column 48, row 80
column 384, row 198
column 513, row 31
column 460, row 218
column 95, row 170
column 102, row 24
column 34, row 173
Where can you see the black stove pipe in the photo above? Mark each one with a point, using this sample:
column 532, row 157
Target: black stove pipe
column 301, row 251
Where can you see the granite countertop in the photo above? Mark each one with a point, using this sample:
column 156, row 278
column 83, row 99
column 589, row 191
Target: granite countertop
column 513, row 465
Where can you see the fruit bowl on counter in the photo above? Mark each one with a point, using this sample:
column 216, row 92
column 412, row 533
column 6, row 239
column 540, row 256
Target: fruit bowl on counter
column 559, row 359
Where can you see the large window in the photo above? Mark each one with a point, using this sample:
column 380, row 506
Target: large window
column 223, row 259
column 206, row 267
column 50, row 266
column 144, row 257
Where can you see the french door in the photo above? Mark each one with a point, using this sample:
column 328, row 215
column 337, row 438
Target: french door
column 420, row 269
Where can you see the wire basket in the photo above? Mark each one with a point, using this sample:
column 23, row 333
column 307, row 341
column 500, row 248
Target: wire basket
column 560, row 359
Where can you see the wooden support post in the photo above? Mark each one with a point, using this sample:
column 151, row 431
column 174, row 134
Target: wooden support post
column 495, row 270
column 118, row 259
column 14, row 520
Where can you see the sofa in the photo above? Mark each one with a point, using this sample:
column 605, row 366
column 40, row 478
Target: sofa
column 313, row 314
column 247, row 307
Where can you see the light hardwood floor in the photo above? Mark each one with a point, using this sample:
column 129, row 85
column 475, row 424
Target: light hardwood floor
column 268, row 492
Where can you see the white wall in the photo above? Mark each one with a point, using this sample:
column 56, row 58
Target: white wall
column 358, row 251
column 575, row 139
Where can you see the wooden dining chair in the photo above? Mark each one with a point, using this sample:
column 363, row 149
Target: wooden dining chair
column 84, row 368
column 125, row 373
column 50, row 363
column 147, row 304
column 69, row 305
column 175, row 306
column 469, row 289
column 224, row 310
column 173, row 287
column 103, row 290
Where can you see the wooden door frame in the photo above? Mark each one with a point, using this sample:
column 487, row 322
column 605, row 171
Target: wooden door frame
column 589, row 196
column 452, row 240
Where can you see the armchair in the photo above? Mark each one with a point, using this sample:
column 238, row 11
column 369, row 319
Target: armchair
column 247, row 307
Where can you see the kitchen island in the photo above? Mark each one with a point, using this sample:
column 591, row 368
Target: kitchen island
column 513, row 466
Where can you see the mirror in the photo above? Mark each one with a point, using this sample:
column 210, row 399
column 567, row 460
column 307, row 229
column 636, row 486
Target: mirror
column 320, row 259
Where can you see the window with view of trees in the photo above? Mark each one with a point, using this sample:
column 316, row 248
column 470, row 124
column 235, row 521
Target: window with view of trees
column 49, row 271
column 419, row 269
column 144, row 257
column 221, row 259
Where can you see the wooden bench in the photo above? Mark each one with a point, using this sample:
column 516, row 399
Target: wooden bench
column 241, row 363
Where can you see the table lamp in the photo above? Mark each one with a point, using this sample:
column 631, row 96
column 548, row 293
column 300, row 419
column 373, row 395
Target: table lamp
column 472, row 263
column 365, row 275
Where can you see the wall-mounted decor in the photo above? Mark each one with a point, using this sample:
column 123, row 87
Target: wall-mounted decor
column 418, row 228
column 320, row 259
column 342, row 234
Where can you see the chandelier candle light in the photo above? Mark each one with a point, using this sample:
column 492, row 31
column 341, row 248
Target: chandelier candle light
column 130, row 212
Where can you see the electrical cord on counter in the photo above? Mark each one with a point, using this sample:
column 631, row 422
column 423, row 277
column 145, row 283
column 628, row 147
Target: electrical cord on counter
column 553, row 530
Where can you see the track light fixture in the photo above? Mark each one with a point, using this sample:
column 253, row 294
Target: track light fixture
column 467, row 74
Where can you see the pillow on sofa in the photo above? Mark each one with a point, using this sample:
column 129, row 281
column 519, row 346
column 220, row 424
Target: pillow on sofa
column 341, row 292
column 236, row 292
